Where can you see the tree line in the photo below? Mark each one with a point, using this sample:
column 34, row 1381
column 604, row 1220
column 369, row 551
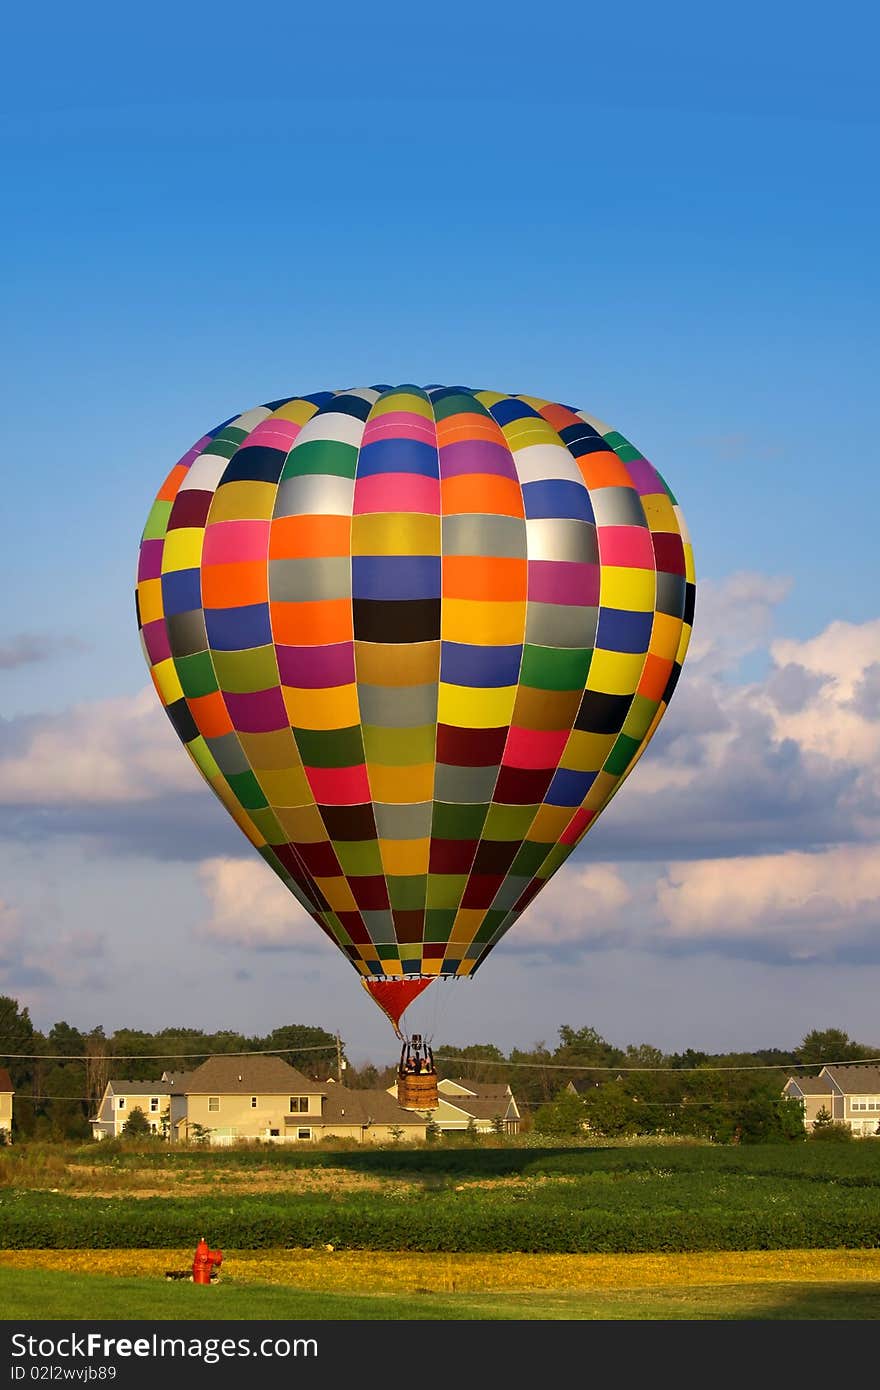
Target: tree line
column 60, row 1075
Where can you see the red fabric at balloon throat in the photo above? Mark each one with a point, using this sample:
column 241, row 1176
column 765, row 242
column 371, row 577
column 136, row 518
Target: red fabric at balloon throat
column 395, row 996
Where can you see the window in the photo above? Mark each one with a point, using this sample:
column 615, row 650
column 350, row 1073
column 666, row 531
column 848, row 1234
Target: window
column 154, row 1104
column 302, row 1133
column 299, row 1105
column 213, row 1102
column 253, row 1102
column 121, row 1102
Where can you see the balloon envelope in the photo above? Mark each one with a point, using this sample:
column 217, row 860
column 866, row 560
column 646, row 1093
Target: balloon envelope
column 414, row 639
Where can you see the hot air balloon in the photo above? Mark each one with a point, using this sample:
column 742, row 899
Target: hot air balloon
column 415, row 639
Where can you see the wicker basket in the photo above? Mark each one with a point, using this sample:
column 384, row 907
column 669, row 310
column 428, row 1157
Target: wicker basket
column 417, row 1091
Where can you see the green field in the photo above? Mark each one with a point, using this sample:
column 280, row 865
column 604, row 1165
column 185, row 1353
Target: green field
column 577, row 1200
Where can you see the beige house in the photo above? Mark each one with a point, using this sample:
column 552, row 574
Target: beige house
column 6, row 1094
column 849, row 1093
column 231, row 1098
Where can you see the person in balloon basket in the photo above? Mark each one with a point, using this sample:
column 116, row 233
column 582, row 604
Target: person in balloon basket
column 416, row 1058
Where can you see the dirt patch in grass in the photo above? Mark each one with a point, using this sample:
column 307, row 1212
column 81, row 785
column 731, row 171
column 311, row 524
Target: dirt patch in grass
column 193, row 1180
column 327, row 1270
column 97, row 1181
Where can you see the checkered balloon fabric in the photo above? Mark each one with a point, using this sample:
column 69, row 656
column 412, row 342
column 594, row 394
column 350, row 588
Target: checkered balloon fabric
column 415, row 639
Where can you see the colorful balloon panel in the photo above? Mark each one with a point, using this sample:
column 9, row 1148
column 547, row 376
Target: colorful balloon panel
column 415, row 639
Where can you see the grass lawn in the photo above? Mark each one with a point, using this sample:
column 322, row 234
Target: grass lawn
column 34, row 1294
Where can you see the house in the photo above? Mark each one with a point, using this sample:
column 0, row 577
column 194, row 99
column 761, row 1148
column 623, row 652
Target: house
column 6, row 1094
column 486, row 1107
column 120, row 1098
column 372, row 1116
column 468, row 1105
column 230, row 1098
column 488, row 1104
column 850, row 1093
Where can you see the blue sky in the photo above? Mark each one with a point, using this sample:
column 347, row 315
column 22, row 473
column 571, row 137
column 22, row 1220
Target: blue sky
column 667, row 218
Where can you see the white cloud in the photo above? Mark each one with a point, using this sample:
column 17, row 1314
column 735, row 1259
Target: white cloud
column 116, row 750
column 733, row 618
column 808, row 905
column 791, row 760
column 578, row 906
column 251, row 907
column 836, row 721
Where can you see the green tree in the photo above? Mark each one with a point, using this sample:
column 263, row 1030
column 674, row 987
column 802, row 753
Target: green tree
column 565, row 1116
column 17, row 1035
column 535, row 1080
column 133, row 1051
column 834, row 1133
column 612, row 1111
column 581, row 1047
column 137, row 1125
column 830, row 1045
column 310, row 1049
column 761, row 1120
column 687, row 1060
column 644, row 1055
column 477, row 1062
column 64, row 1110
column 65, row 1041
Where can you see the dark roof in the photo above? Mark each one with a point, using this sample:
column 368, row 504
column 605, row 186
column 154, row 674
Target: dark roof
column 855, row 1078
column 176, row 1080
column 249, row 1076
column 343, row 1106
column 486, row 1090
column 138, row 1088
column 811, row 1085
column 5, row 1080
column 481, row 1107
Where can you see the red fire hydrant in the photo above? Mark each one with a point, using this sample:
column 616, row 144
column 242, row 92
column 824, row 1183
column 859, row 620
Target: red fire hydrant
column 204, row 1261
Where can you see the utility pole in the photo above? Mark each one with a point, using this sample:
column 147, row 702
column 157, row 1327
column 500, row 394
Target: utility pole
column 339, row 1062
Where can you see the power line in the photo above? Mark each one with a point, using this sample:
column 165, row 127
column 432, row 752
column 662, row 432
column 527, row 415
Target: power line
column 446, row 1056
column 590, row 1066
column 156, row 1056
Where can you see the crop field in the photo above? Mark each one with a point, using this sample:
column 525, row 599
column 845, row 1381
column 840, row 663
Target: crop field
column 631, row 1231
column 502, row 1200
